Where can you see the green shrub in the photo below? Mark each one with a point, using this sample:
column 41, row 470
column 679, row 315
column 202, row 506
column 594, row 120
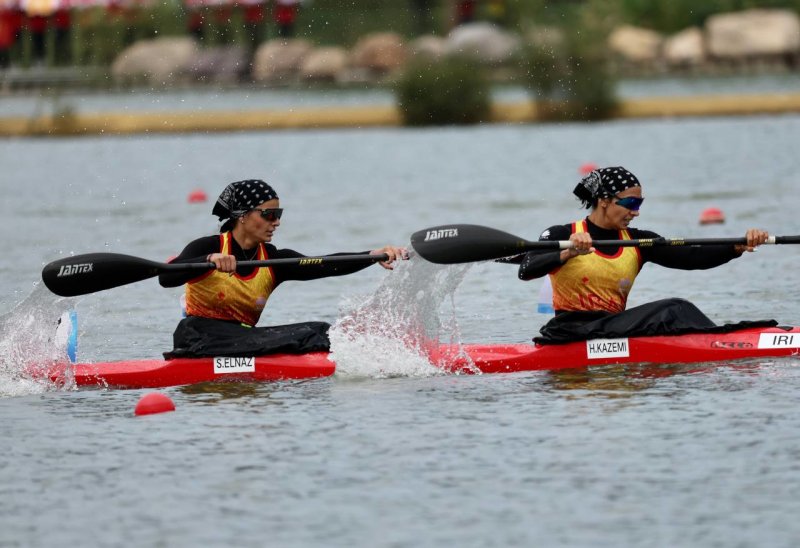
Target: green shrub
column 162, row 19
column 591, row 93
column 543, row 67
column 450, row 91
column 571, row 78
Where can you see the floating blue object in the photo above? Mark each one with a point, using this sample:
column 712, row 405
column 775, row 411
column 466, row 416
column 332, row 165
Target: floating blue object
column 545, row 305
column 72, row 338
column 545, row 308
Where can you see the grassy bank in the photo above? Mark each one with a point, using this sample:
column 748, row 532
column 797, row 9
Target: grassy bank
column 68, row 124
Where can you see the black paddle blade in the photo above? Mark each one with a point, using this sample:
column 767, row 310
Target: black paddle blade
column 453, row 244
column 92, row 272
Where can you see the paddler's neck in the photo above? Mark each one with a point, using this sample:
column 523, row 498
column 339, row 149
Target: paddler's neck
column 244, row 241
column 599, row 219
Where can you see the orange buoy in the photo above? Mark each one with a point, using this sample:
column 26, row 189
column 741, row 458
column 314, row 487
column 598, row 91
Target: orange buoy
column 197, row 196
column 154, row 402
column 712, row 215
column 587, row 168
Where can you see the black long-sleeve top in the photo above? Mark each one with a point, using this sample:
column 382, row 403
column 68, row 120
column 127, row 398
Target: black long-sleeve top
column 536, row 264
column 198, row 251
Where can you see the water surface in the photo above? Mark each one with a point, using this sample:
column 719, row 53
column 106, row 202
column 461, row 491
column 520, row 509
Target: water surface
column 632, row 456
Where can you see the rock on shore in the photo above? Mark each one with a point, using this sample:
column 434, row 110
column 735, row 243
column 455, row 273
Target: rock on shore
column 740, row 38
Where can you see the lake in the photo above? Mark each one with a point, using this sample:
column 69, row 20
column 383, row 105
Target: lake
column 388, row 453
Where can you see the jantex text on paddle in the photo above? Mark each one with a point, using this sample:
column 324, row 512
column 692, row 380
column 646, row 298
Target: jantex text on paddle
column 441, row 233
column 71, row 269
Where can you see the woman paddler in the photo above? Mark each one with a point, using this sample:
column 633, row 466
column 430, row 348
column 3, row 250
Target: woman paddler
column 223, row 305
column 591, row 285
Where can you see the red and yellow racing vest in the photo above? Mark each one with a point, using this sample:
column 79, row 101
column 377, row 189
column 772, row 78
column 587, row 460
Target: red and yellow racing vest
column 220, row 296
column 596, row 281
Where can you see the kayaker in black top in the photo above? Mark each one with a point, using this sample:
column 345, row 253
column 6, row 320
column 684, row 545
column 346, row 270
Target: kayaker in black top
column 224, row 304
column 591, row 285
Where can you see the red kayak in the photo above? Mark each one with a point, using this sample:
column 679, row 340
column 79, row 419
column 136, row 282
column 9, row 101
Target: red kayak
column 471, row 358
column 691, row 348
column 156, row 373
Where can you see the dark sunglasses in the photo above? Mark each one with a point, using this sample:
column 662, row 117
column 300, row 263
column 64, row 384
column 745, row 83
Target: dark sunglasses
column 630, row 202
column 271, row 214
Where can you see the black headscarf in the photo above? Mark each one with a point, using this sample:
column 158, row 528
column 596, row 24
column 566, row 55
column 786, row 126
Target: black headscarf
column 240, row 197
column 604, row 183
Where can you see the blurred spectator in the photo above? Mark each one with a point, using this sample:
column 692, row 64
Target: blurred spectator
column 8, row 35
column 496, row 10
column 285, row 14
column 422, row 16
column 62, row 23
column 130, row 15
column 254, row 22
column 37, row 26
column 222, row 20
column 194, row 23
column 465, row 11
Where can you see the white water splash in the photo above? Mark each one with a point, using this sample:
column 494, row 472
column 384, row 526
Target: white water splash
column 397, row 330
column 31, row 346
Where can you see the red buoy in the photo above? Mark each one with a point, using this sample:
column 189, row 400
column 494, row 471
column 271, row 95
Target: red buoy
column 587, row 168
column 197, row 196
column 154, row 402
column 712, row 215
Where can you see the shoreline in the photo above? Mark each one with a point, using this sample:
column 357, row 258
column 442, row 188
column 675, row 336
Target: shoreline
column 524, row 112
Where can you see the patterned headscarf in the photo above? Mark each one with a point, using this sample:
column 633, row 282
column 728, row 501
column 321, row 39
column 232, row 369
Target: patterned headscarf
column 604, row 183
column 240, row 197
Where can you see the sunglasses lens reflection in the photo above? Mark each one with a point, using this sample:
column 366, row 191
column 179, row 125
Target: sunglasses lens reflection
column 631, row 203
column 271, row 214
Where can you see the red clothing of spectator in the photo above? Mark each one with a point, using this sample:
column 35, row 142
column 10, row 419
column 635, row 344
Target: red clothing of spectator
column 465, row 11
column 254, row 14
column 18, row 20
column 61, row 19
column 115, row 10
column 37, row 24
column 8, row 29
column 285, row 13
column 195, row 21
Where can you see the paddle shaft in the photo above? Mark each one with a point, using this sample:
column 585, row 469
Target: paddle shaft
column 300, row 261
column 452, row 244
column 92, row 272
column 657, row 242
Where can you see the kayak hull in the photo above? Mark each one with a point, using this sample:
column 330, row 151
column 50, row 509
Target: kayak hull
column 158, row 373
column 470, row 358
column 690, row 348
